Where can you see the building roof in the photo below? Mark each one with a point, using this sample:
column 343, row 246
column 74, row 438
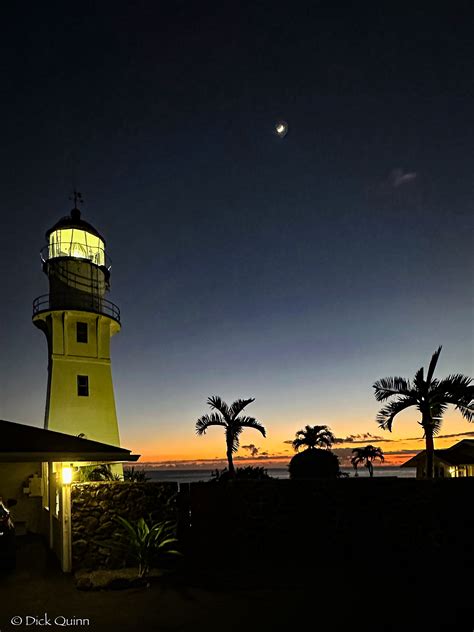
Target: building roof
column 74, row 220
column 461, row 453
column 21, row 443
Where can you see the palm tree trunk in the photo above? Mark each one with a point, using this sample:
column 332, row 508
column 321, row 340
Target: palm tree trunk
column 230, row 460
column 370, row 467
column 429, row 451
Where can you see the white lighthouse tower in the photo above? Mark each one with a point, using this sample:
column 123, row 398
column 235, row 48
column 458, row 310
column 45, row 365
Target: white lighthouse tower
column 78, row 322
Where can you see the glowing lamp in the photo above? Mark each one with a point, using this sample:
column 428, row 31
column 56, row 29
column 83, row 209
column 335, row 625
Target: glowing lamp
column 67, row 475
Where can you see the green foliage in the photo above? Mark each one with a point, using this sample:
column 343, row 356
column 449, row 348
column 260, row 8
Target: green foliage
column 94, row 473
column 314, row 463
column 148, row 544
column 135, row 476
column 247, row 473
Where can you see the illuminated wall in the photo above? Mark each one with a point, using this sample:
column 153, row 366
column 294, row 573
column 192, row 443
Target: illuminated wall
column 70, row 407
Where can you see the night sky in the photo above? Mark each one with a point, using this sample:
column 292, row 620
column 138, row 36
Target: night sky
column 296, row 270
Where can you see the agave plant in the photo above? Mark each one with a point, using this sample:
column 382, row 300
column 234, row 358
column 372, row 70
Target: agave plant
column 147, row 544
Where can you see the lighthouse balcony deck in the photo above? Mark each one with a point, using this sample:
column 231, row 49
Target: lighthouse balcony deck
column 79, row 301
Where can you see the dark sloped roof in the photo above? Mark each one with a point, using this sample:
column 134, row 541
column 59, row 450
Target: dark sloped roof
column 74, row 221
column 461, row 453
column 19, row 442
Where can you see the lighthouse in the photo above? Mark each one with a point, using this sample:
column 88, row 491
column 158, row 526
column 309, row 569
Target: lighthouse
column 78, row 322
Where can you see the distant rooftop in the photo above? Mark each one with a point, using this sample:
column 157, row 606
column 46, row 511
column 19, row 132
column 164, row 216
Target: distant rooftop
column 461, row 453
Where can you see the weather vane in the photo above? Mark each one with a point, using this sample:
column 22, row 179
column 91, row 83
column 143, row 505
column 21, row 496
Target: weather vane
column 77, row 197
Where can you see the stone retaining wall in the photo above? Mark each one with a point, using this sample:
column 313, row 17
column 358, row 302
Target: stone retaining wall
column 94, row 506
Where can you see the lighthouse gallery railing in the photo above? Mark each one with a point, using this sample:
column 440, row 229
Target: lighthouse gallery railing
column 81, row 301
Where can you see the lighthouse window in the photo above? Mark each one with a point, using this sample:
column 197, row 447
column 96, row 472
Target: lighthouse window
column 83, row 385
column 81, row 332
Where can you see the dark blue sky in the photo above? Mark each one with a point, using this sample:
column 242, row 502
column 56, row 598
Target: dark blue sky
column 295, row 270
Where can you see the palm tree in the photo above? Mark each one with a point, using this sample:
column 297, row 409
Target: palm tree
column 366, row 455
column 228, row 418
column 430, row 396
column 312, row 437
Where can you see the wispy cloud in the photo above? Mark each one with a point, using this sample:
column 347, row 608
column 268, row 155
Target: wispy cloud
column 253, row 449
column 398, row 177
column 446, row 436
column 362, row 438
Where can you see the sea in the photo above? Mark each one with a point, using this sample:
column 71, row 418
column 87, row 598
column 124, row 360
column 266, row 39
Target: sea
column 194, row 476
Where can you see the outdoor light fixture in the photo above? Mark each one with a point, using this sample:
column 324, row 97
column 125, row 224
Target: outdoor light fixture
column 67, row 475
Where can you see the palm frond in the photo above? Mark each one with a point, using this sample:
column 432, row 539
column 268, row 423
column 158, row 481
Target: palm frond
column 467, row 411
column 419, row 381
column 387, row 413
column 356, row 461
column 458, row 390
column 436, row 427
column 203, row 423
column 298, row 443
column 313, row 436
column 466, row 408
column 437, row 409
column 251, row 422
column 238, row 406
column 216, row 402
column 388, row 386
column 433, row 363
column 457, row 384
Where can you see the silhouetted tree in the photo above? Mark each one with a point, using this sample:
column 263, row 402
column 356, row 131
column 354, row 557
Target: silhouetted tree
column 314, row 462
column 366, row 455
column 430, row 396
column 313, row 437
column 228, row 418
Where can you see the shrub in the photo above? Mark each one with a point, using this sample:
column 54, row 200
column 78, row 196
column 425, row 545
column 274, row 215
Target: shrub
column 135, row 476
column 94, row 473
column 247, row 473
column 314, row 463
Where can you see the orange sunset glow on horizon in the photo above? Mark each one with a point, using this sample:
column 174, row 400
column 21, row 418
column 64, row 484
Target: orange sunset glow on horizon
column 185, row 449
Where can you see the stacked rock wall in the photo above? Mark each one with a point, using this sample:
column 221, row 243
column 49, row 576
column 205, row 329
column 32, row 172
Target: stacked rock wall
column 93, row 510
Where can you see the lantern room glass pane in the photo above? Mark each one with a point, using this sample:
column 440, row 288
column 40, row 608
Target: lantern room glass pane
column 73, row 242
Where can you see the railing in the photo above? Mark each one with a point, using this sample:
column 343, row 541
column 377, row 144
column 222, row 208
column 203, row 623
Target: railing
column 76, row 250
column 79, row 300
